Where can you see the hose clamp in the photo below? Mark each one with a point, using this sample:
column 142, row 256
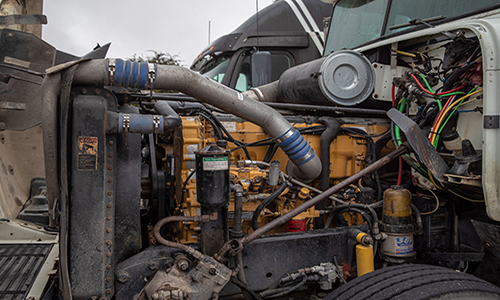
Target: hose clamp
column 151, row 76
column 305, row 158
column 156, row 124
column 126, row 122
column 286, row 135
column 112, row 71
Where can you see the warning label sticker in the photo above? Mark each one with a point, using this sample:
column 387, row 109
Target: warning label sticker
column 215, row 163
column 230, row 126
column 87, row 153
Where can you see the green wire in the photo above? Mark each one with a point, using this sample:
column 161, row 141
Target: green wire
column 449, row 116
column 426, row 83
column 397, row 132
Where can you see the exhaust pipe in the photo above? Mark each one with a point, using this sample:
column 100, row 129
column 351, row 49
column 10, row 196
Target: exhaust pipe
column 109, row 72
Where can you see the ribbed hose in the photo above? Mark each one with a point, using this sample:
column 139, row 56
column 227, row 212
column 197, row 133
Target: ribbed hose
column 306, row 164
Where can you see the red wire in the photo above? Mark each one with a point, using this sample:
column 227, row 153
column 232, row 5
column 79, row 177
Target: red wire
column 438, row 94
column 392, row 94
column 439, row 116
column 451, row 91
column 400, row 172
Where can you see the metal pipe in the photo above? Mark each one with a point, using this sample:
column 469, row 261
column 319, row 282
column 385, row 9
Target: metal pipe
column 306, row 164
column 156, row 230
column 334, row 109
column 265, row 93
column 308, row 204
column 50, row 90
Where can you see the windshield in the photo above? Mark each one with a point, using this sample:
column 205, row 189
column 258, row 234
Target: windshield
column 355, row 22
column 213, row 67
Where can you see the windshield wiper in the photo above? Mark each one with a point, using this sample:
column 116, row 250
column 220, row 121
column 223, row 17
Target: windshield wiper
column 425, row 22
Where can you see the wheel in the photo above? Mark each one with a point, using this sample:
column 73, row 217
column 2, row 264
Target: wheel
column 416, row 282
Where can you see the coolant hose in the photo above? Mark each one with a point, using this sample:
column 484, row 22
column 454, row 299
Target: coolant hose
column 306, row 164
column 172, row 119
column 327, row 137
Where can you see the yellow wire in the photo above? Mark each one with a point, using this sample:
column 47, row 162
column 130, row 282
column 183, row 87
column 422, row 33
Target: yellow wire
column 432, row 180
column 448, row 109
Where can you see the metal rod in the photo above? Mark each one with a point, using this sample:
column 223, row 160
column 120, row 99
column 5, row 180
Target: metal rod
column 334, row 189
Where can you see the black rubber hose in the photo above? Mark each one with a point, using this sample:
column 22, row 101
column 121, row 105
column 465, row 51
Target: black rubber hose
column 327, row 137
column 172, row 119
column 265, row 203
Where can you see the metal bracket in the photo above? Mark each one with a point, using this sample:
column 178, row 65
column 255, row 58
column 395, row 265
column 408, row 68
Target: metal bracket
column 491, row 122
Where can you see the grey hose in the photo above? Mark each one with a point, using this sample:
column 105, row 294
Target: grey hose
column 306, row 164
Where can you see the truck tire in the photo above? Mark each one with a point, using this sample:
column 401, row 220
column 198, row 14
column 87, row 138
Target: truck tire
column 416, row 282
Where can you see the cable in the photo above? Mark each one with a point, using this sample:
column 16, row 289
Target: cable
column 184, row 186
column 437, row 205
column 266, row 202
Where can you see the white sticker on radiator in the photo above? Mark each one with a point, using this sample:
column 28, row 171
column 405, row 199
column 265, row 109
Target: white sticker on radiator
column 215, row 163
column 230, row 126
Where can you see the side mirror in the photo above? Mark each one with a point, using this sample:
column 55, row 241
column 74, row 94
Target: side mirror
column 261, row 68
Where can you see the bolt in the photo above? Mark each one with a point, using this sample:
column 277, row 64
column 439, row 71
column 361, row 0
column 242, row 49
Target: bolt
column 110, row 167
column 107, row 95
column 488, row 245
column 83, row 91
column 108, row 243
column 183, row 264
column 110, row 155
column 375, row 96
column 109, row 205
column 108, row 254
column 103, row 298
column 10, row 34
column 97, row 91
column 108, row 267
column 110, row 143
column 152, row 265
column 111, row 104
column 110, row 180
column 110, row 193
column 212, row 271
column 122, row 276
column 108, row 230
column 108, row 218
column 108, row 291
column 108, row 279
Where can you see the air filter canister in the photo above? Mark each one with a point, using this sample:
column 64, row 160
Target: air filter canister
column 345, row 78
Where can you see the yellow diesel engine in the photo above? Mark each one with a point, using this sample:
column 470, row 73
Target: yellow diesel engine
column 258, row 166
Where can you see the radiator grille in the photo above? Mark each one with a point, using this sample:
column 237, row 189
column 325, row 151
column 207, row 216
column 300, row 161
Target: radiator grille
column 19, row 266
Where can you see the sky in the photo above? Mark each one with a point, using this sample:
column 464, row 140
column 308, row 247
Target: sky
column 179, row 27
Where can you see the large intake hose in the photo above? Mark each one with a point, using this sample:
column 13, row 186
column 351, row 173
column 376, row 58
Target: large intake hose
column 109, row 72
column 344, row 78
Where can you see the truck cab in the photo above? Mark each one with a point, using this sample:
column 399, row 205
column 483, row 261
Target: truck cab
column 288, row 32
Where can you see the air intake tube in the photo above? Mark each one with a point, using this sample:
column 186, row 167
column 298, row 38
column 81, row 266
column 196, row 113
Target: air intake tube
column 116, row 72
